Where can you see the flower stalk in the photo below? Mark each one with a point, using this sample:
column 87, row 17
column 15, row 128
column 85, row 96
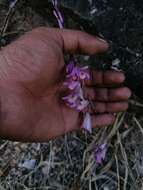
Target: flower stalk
column 74, row 82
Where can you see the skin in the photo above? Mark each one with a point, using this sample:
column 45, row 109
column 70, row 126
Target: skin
column 32, row 72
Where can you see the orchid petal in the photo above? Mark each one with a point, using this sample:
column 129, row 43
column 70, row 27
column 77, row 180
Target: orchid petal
column 100, row 153
column 72, row 84
column 70, row 67
column 84, row 75
column 87, row 123
column 72, row 98
column 82, row 105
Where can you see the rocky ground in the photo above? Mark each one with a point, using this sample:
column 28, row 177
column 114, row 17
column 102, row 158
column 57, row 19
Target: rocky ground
column 67, row 163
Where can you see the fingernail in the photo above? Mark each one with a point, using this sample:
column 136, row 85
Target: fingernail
column 122, row 77
column 127, row 92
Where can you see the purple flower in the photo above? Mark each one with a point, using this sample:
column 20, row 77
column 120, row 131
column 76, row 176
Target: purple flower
column 82, row 105
column 87, row 123
column 74, row 74
column 71, row 100
column 77, row 73
column 73, row 82
column 58, row 14
column 70, row 84
column 100, row 152
column 83, row 73
column 70, row 67
column 76, row 100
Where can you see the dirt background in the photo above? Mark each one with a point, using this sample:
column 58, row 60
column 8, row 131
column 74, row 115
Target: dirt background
column 67, row 163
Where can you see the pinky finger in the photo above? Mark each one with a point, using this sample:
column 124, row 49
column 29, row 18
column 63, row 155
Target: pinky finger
column 102, row 120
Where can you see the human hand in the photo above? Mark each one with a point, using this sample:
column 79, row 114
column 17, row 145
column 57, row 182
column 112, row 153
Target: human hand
column 31, row 86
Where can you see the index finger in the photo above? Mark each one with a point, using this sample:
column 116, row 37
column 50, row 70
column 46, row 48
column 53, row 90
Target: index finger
column 80, row 42
column 73, row 41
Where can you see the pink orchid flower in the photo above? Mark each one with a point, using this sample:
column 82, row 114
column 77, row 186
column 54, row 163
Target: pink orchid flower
column 78, row 73
column 70, row 84
column 82, row 105
column 87, row 126
column 71, row 98
column 100, row 153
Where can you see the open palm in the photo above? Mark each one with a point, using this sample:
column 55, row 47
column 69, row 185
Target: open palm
column 31, row 86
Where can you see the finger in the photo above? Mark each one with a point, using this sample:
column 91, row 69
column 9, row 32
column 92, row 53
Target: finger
column 105, row 94
column 102, row 120
column 72, row 41
column 105, row 78
column 100, row 107
column 78, row 41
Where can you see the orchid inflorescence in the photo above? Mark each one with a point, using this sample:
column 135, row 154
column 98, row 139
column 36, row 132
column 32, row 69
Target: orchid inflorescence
column 75, row 80
column 75, row 77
